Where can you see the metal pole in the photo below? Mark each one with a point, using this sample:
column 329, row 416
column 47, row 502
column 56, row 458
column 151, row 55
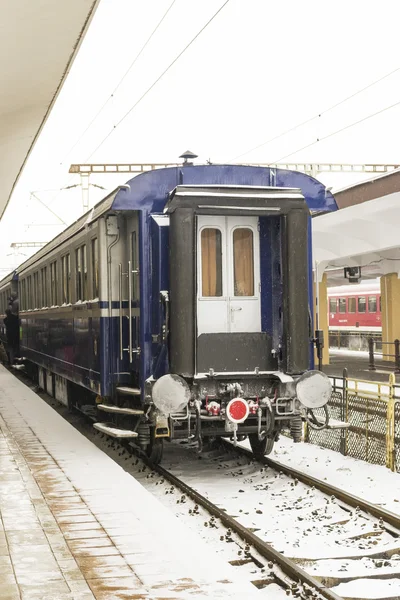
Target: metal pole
column 372, row 366
column 397, row 355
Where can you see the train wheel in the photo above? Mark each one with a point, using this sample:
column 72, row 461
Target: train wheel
column 261, row 448
column 154, row 450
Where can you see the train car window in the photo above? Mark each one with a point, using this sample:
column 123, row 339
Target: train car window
column 36, row 290
column 372, row 304
column 332, row 305
column 66, row 278
column 211, row 262
column 53, row 283
column 23, row 294
column 84, row 273
column 81, row 273
column 95, row 268
column 29, row 292
column 78, row 267
column 44, row 297
column 243, row 262
column 351, row 305
column 342, row 305
column 362, row 304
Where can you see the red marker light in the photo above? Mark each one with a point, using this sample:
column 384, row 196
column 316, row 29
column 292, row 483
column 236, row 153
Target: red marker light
column 237, row 410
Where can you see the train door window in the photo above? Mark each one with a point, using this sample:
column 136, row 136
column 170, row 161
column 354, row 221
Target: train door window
column 95, row 268
column 211, row 262
column 332, row 305
column 342, row 305
column 243, row 262
column 66, row 278
column 372, row 304
column 53, row 283
column 81, row 273
column 362, row 304
column 43, row 278
column 351, row 305
column 36, row 290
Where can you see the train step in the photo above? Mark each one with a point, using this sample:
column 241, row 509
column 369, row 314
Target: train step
column 109, row 408
column 128, row 391
column 113, row 431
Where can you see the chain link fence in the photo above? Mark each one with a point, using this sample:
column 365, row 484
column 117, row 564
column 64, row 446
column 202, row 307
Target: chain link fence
column 371, row 411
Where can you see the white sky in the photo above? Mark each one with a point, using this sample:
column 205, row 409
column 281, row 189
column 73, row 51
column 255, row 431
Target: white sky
column 260, row 68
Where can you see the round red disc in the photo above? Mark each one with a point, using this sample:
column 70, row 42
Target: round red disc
column 238, row 410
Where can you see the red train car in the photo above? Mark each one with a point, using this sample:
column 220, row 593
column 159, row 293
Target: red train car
column 355, row 308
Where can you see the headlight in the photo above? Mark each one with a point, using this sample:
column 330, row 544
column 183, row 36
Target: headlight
column 170, row 394
column 314, row 389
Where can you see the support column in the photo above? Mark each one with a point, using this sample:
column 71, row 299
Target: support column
column 390, row 306
column 322, row 317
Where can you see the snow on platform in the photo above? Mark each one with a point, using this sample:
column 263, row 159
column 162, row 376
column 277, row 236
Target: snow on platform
column 74, row 525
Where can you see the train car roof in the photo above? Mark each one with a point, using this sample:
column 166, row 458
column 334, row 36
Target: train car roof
column 150, row 191
column 365, row 287
column 7, row 280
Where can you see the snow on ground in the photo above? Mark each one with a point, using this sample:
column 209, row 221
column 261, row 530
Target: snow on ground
column 369, row 589
column 372, row 482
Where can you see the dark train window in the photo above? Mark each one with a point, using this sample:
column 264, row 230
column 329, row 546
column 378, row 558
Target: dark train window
column 351, row 305
column 53, row 283
column 380, row 303
column 342, row 305
column 332, row 305
column 81, row 273
column 211, row 263
column 362, row 304
column 43, row 279
column 95, row 268
column 372, row 304
column 29, row 292
column 66, row 279
column 23, row 298
column 36, row 290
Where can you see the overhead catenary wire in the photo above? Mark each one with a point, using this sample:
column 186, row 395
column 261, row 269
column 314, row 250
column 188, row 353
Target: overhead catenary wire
column 317, row 116
column 181, row 53
column 120, row 81
column 329, row 135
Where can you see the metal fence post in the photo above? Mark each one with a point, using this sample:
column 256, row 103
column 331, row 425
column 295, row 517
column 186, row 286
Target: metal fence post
column 372, row 366
column 343, row 415
column 397, row 355
column 390, row 454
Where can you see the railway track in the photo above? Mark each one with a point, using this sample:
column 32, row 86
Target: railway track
column 291, row 534
column 338, row 544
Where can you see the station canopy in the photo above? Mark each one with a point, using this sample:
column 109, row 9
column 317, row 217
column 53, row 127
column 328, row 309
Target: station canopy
column 365, row 234
column 38, row 43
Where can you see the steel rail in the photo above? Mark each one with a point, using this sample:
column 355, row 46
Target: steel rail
column 288, row 567
column 327, row 488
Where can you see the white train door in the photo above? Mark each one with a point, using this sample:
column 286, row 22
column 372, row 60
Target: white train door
column 228, row 275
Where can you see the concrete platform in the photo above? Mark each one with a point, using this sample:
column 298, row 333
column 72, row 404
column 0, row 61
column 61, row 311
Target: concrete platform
column 357, row 364
column 75, row 525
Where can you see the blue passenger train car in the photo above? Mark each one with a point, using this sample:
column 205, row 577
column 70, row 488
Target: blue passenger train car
column 180, row 307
